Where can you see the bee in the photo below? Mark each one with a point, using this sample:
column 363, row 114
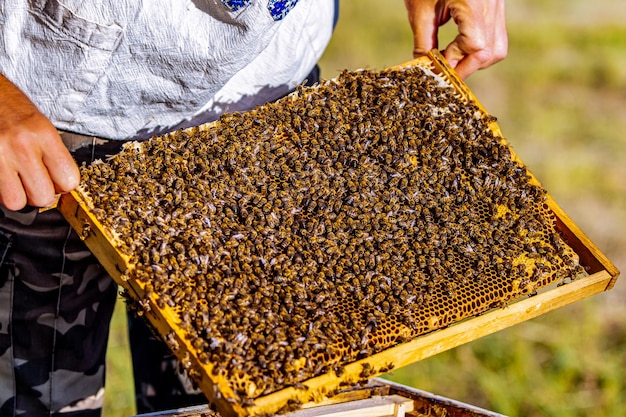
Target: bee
column 171, row 341
column 366, row 371
column 389, row 366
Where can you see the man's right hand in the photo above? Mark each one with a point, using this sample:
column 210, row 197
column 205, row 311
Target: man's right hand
column 482, row 39
column 34, row 163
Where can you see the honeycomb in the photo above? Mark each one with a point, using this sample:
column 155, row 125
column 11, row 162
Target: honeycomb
column 328, row 226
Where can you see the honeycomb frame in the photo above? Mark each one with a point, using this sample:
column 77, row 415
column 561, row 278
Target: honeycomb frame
column 443, row 333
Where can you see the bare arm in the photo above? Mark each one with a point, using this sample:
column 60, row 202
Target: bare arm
column 482, row 37
column 34, row 163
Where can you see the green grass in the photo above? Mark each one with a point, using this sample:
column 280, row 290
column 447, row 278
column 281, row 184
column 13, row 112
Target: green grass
column 560, row 99
column 119, row 399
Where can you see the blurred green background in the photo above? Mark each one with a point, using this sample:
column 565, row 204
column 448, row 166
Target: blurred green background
column 560, row 99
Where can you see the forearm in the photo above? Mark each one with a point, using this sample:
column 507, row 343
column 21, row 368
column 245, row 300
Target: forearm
column 14, row 105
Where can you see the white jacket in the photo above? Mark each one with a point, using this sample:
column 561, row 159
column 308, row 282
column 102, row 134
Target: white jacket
column 123, row 69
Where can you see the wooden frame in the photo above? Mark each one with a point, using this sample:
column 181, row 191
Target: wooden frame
column 602, row 276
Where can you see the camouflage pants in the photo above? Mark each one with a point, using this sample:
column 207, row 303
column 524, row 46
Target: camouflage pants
column 56, row 302
column 160, row 383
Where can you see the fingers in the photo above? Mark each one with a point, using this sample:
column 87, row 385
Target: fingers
column 34, row 165
column 482, row 37
column 12, row 194
column 52, row 170
column 61, row 167
column 37, row 185
column 24, row 180
column 482, row 40
column 425, row 22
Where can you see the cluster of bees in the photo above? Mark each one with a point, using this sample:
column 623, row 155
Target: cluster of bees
column 330, row 225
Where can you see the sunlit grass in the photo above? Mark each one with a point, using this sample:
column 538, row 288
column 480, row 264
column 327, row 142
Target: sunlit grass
column 119, row 397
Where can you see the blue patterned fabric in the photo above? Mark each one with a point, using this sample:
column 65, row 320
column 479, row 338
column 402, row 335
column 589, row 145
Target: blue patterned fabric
column 235, row 5
column 280, row 8
column 277, row 8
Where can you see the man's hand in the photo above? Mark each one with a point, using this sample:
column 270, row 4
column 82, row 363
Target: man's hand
column 34, row 163
column 482, row 38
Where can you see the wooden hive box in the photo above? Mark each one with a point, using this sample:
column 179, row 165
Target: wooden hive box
column 379, row 398
column 439, row 322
